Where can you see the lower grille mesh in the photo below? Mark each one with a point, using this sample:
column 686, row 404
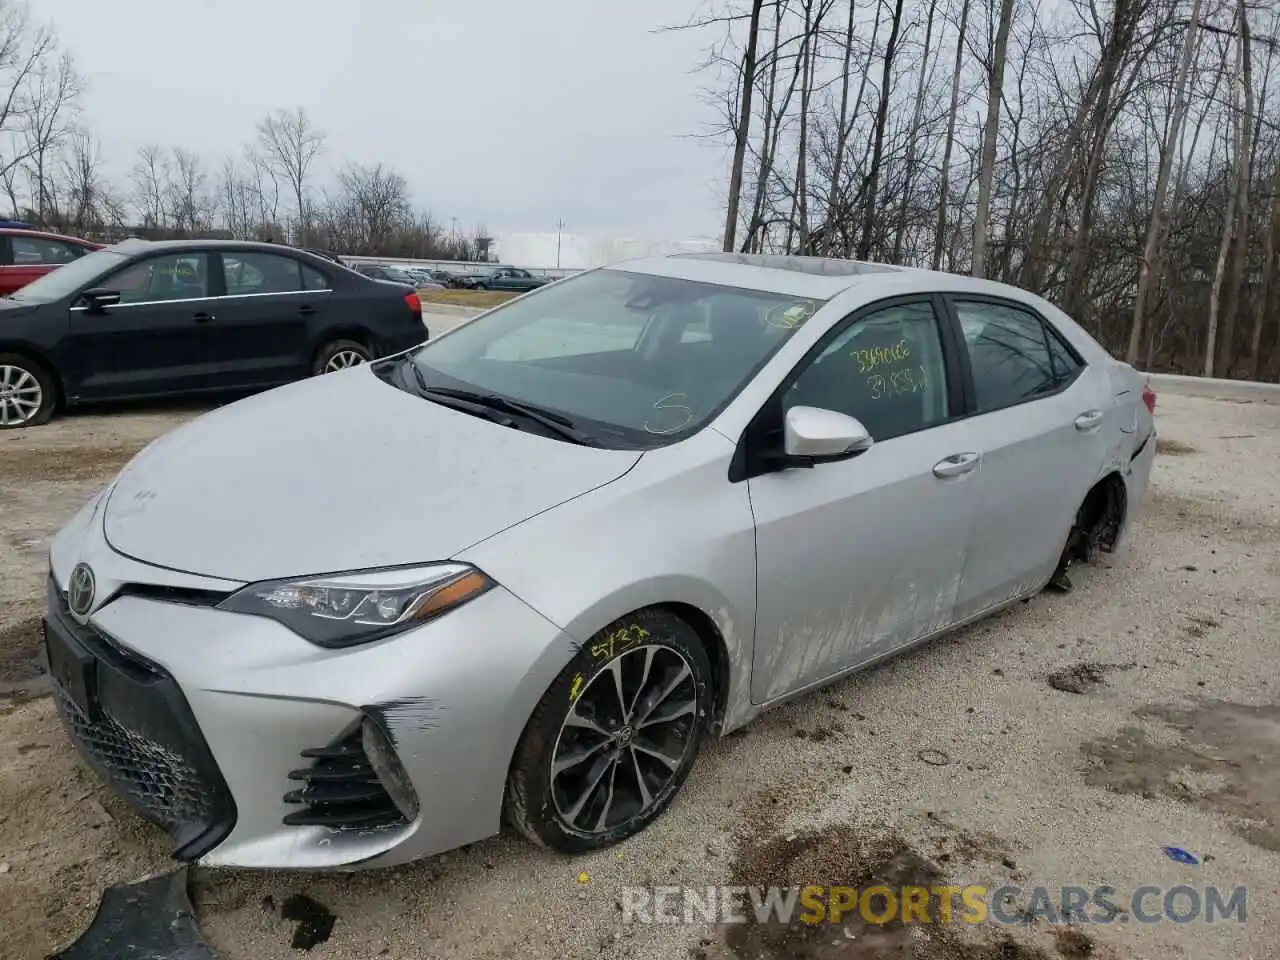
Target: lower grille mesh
column 158, row 781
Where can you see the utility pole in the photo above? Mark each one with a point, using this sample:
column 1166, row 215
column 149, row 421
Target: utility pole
column 559, row 230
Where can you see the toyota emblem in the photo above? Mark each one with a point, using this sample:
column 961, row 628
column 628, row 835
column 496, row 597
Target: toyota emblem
column 80, row 590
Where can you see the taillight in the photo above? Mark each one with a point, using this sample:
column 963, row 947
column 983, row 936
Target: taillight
column 1149, row 398
column 412, row 302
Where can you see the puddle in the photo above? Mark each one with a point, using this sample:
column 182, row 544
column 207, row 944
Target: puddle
column 1227, row 761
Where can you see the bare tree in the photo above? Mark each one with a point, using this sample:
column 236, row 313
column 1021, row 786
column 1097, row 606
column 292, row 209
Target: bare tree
column 150, row 174
column 47, row 106
column 1156, row 222
column 91, row 204
column 290, row 143
column 872, row 181
column 944, row 179
column 1238, row 188
column 990, row 132
column 742, row 129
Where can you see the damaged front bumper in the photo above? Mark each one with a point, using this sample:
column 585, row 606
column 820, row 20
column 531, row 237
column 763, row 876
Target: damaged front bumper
column 305, row 757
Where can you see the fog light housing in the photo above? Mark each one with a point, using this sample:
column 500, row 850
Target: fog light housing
column 382, row 756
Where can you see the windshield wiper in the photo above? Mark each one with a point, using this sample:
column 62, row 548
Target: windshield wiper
column 470, row 400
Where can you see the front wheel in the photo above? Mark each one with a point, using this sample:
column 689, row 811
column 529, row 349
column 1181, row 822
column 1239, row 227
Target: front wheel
column 613, row 740
column 27, row 393
column 341, row 354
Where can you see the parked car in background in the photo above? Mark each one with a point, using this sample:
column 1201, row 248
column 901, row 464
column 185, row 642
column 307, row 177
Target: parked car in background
column 380, row 271
column 423, row 278
column 26, row 255
column 141, row 319
column 505, row 278
column 402, row 589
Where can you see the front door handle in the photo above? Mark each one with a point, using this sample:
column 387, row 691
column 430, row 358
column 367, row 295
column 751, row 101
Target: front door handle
column 956, row 465
column 1088, row 420
column 202, row 317
column 306, row 310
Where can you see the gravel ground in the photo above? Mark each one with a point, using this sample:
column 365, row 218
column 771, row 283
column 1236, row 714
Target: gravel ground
column 957, row 763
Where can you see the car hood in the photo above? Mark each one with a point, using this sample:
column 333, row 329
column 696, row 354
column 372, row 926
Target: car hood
column 340, row 472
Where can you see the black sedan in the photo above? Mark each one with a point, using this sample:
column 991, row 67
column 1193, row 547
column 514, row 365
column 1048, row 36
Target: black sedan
column 140, row 319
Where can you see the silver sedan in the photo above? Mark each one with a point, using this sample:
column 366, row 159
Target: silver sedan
column 522, row 570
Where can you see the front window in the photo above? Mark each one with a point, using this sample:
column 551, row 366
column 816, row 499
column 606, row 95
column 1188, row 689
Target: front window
column 66, row 280
column 39, row 250
column 179, row 276
column 634, row 360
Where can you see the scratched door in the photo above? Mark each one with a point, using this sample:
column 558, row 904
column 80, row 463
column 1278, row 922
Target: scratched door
column 860, row 557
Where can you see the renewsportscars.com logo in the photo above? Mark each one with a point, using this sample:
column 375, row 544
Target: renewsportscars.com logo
column 879, row 905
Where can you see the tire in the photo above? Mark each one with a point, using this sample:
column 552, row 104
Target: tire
column 481, row 286
column 541, row 807
column 28, row 393
column 332, row 356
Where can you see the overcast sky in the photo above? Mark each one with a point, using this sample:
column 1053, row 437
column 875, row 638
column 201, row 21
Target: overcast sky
column 505, row 113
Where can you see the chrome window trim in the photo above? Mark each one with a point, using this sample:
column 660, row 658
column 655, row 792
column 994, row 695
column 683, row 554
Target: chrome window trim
column 225, row 296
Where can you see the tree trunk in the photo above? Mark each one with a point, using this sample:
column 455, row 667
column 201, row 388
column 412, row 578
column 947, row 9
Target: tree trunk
column 990, row 129
column 1229, row 221
column 1124, row 23
column 1155, row 226
column 742, row 131
column 913, row 138
column 1244, row 169
column 842, row 138
column 940, row 231
column 877, row 149
column 1262, row 309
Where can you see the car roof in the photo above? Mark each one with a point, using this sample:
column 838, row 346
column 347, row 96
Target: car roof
column 45, row 234
column 137, row 245
column 818, row 277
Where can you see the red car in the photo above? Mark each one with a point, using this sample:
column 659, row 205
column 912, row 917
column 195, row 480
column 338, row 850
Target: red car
column 27, row 254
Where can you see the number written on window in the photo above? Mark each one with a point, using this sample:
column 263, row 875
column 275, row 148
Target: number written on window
column 885, row 369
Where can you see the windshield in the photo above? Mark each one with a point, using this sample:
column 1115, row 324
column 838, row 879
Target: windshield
column 637, row 360
column 67, row 279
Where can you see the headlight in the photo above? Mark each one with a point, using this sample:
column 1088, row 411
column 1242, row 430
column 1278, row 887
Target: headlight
column 346, row 609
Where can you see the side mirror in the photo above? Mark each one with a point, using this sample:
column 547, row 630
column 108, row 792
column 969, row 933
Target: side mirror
column 813, row 435
column 99, row 298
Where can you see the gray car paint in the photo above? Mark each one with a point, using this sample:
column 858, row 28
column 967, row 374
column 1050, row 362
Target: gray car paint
column 576, row 537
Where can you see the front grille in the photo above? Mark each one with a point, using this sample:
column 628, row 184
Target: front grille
column 156, row 781
column 341, row 789
column 143, row 739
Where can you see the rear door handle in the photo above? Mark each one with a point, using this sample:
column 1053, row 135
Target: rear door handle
column 1088, row 420
column 202, row 317
column 956, row 465
column 306, row 310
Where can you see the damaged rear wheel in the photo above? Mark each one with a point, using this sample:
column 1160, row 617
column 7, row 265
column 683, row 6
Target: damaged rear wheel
column 614, row 738
column 1096, row 529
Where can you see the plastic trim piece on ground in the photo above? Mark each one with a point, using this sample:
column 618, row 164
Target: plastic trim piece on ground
column 149, row 920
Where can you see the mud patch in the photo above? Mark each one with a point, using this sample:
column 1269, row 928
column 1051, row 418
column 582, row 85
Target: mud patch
column 22, row 670
column 843, row 856
column 1213, row 517
column 1173, row 448
column 1227, row 761
column 1080, row 678
column 64, row 464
